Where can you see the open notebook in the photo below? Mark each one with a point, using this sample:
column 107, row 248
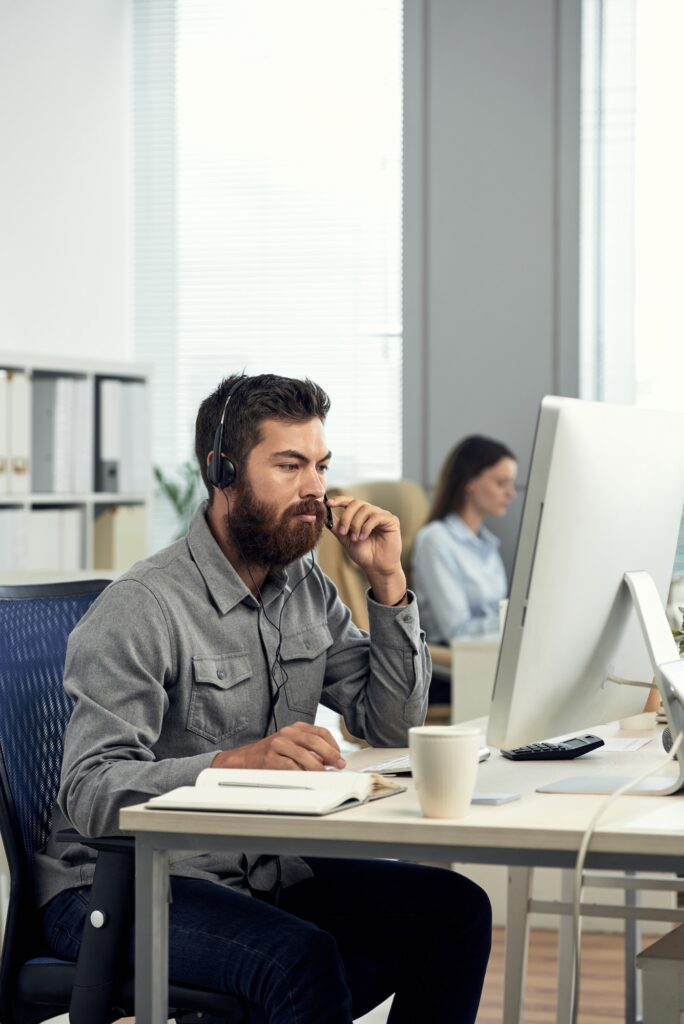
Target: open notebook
column 276, row 792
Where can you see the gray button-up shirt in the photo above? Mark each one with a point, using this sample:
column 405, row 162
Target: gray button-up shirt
column 172, row 663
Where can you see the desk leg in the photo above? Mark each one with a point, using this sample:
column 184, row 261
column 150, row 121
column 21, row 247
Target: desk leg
column 151, row 933
column 632, row 976
column 565, row 973
column 519, row 888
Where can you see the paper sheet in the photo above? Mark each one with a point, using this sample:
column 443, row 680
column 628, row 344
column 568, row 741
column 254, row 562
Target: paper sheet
column 626, row 743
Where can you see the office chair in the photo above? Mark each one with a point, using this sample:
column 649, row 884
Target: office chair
column 35, row 622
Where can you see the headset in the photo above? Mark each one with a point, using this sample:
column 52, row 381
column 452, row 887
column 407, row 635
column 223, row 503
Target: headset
column 221, row 471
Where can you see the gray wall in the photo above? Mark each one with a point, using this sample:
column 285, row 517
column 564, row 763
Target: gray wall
column 65, row 178
column 491, row 223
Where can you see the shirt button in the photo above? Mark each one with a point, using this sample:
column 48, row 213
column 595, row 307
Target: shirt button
column 220, row 674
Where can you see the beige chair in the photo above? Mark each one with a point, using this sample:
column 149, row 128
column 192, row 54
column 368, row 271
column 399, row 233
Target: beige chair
column 407, row 500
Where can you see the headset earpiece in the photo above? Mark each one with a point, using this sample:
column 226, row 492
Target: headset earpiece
column 221, row 472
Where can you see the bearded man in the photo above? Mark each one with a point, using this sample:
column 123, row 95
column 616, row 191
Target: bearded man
column 216, row 653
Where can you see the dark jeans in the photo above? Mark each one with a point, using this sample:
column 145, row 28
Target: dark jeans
column 336, row 945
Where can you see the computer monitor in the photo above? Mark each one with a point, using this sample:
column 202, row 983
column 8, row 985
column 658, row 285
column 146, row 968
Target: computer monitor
column 605, row 496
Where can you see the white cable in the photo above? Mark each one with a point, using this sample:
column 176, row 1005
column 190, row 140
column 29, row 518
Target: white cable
column 581, row 857
column 632, row 682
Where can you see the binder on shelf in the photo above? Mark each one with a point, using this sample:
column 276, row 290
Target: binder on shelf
column 43, row 540
column 70, row 537
column 83, row 444
column 134, row 450
column 54, row 444
column 54, row 539
column 64, row 435
column 109, row 432
column 123, row 462
column 13, row 539
column 4, row 432
column 19, row 406
column 120, row 536
column 42, row 445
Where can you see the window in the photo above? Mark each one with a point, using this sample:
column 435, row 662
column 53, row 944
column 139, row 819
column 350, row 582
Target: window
column 632, row 314
column 607, row 189
column 268, row 211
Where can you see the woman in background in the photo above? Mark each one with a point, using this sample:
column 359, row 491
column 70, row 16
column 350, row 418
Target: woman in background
column 458, row 575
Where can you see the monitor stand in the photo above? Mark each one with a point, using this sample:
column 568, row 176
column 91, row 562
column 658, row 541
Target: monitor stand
column 669, row 674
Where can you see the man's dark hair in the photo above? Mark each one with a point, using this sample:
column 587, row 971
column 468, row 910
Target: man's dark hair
column 467, row 460
column 263, row 397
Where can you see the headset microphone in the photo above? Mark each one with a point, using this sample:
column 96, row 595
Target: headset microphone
column 329, row 521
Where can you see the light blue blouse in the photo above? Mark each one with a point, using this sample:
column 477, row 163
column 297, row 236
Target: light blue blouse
column 459, row 579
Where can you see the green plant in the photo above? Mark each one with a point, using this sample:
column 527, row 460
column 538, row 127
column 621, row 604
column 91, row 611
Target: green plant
column 183, row 493
column 678, row 634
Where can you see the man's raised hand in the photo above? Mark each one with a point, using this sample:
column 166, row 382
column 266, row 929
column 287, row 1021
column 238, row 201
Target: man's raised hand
column 371, row 536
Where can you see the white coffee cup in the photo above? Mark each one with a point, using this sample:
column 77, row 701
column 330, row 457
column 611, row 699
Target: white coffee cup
column 444, row 762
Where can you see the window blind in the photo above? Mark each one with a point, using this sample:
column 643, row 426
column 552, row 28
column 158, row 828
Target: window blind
column 632, row 317
column 268, row 211
column 608, row 212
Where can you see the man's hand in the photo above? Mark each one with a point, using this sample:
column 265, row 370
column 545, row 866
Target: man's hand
column 298, row 747
column 371, row 536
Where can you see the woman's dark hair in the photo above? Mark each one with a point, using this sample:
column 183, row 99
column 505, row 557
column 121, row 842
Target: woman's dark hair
column 263, row 397
column 463, row 463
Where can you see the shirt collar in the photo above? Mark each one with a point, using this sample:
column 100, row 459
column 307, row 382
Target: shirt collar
column 223, row 583
column 463, row 532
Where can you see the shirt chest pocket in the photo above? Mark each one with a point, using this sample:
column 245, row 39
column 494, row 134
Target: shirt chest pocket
column 220, row 698
column 303, row 656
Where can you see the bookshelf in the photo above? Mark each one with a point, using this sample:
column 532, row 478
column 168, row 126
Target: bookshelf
column 75, row 464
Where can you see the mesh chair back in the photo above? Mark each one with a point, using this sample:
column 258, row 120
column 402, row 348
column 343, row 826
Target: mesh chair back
column 35, row 623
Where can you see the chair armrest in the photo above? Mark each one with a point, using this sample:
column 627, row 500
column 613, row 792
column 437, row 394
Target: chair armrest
column 102, row 957
column 117, row 844
column 441, row 663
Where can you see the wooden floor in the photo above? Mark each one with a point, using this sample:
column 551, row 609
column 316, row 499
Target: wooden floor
column 602, row 997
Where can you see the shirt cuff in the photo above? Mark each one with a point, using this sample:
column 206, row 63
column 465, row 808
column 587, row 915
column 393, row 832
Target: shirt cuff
column 409, row 595
column 390, row 624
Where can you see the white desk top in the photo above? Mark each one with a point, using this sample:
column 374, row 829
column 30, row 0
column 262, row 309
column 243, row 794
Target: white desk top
column 640, row 825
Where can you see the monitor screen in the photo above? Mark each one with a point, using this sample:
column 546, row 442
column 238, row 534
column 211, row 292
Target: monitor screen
column 604, row 496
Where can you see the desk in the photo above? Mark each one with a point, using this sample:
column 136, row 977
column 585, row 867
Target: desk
column 541, row 830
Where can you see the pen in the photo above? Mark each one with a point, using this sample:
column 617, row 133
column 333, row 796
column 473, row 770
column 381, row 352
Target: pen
column 263, row 785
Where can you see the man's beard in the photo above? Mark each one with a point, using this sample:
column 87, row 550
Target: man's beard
column 265, row 539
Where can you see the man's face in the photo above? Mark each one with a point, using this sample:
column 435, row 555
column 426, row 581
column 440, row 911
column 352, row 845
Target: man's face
column 276, row 504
